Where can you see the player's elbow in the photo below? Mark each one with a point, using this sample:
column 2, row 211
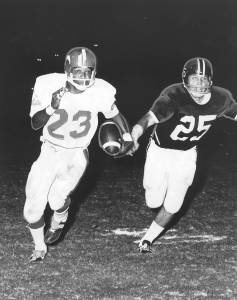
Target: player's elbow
column 35, row 124
column 122, row 122
column 117, row 118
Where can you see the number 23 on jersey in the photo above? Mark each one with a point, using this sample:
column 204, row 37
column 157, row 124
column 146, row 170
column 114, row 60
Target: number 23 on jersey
column 82, row 118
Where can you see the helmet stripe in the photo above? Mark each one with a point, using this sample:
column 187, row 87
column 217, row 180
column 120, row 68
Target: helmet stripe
column 83, row 57
column 198, row 66
column 79, row 60
column 201, row 66
column 204, row 67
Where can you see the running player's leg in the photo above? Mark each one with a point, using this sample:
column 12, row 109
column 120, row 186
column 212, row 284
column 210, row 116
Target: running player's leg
column 40, row 178
column 71, row 170
column 155, row 182
column 181, row 173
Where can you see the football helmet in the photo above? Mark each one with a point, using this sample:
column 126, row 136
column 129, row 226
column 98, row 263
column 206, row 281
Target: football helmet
column 80, row 67
column 197, row 77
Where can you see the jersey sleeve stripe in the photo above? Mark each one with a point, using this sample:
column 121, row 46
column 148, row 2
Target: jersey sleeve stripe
column 153, row 116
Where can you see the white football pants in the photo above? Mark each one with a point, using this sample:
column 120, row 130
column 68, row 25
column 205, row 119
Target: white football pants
column 168, row 173
column 53, row 176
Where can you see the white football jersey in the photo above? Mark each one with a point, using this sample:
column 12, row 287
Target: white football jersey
column 74, row 124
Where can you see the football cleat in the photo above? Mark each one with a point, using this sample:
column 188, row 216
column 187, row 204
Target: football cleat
column 37, row 255
column 53, row 233
column 145, row 247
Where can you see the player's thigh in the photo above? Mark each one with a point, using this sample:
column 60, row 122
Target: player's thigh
column 155, row 178
column 155, row 167
column 183, row 167
column 178, row 184
column 155, row 196
column 42, row 173
column 40, row 178
column 68, row 177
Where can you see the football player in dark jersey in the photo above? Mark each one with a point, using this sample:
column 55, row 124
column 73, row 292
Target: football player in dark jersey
column 181, row 116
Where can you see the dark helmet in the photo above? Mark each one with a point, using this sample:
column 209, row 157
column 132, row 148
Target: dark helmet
column 202, row 68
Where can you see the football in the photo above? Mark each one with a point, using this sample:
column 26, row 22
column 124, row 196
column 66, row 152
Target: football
column 110, row 139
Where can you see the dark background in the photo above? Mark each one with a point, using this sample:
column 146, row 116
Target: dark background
column 141, row 47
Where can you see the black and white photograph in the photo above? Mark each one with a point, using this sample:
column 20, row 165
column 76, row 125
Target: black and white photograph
column 118, row 156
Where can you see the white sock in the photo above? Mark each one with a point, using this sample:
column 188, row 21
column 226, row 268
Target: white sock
column 38, row 238
column 60, row 217
column 152, row 232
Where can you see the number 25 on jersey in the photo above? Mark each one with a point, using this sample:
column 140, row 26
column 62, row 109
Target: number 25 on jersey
column 184, row 131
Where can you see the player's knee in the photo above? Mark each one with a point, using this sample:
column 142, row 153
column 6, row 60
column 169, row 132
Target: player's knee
column 38, row 224
column 54, row 205
column 32, row 212
column 56, row 202
column 175, row 198
column 153, row 198
column 32, row 215
column 65, row 206
column 172, row 207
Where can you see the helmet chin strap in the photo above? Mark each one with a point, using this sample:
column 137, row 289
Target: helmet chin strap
column 79, row 86
column 82, row 87
column 200, row 98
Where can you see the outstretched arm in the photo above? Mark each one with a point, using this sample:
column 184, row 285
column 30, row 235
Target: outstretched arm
column 128, row 144
column 121, row 121
column 138, row 129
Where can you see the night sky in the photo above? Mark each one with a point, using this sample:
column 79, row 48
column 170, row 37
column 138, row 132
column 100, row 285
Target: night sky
column 141, row 47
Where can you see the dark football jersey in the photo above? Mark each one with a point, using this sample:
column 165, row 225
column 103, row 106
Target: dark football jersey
column 183, row 122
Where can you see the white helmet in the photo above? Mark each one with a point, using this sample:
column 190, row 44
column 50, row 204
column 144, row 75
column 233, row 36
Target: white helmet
column 80, row 67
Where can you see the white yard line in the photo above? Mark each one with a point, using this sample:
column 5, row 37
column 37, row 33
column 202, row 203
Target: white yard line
column 168, row 238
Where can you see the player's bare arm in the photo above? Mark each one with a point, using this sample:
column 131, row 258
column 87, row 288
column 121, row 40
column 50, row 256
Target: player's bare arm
column 138, row 129
column 41, row 117
column 120, row 120
column 122, row 123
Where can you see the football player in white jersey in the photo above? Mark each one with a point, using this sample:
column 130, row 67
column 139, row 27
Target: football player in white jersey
column 180, row 116
column 66, row 106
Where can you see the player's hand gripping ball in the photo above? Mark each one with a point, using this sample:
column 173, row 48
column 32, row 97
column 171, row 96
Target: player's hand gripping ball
column 57, row 96
column 110, row 139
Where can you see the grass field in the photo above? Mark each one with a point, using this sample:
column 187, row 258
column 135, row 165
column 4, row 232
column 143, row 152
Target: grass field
column 97, row 257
